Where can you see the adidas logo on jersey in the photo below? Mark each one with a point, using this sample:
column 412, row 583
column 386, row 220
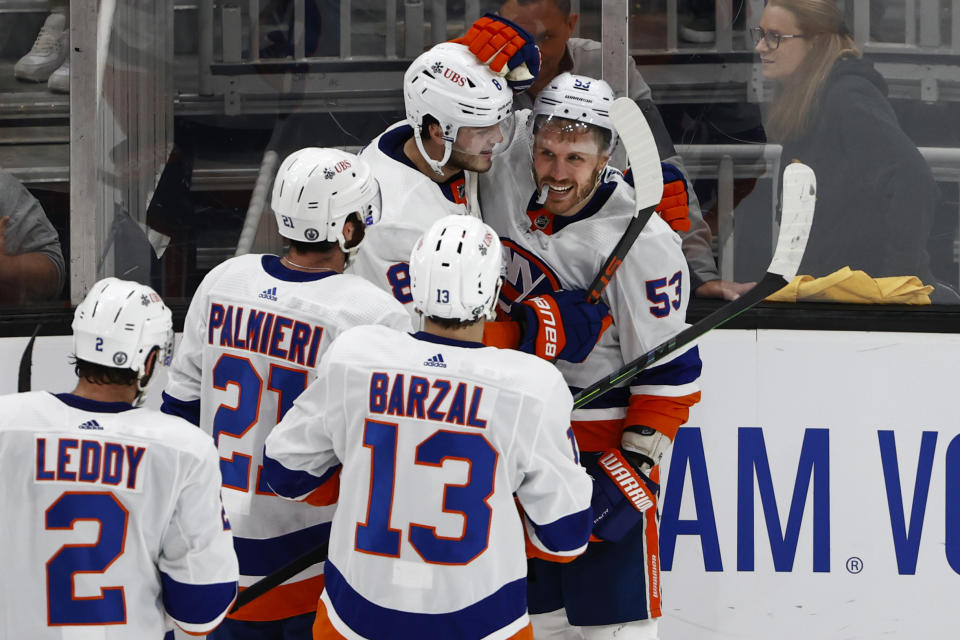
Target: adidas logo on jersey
column 90, row 425
column 269, row 294
column 436, row 361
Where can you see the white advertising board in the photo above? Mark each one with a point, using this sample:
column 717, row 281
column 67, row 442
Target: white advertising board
column 814, row 494
column 816, row 490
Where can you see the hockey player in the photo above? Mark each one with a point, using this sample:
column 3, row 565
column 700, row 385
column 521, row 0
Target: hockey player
column 436, row 434
column 253, row 338
column 112, row 514
column 560, row 210
column 552, row 23
column 459, row 118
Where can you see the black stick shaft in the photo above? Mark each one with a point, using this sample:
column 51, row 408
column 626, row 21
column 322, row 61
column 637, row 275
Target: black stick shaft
column 281, row 575
column 770, row 283
column 25, row 374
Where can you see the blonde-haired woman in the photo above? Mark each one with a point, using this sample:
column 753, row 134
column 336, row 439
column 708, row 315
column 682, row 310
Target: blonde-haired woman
column 876, row 195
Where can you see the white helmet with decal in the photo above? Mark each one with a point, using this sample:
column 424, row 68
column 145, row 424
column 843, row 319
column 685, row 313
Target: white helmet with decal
column 317, row 189
column 577, row 98
column 119, row 323
column 450, row 84
column 455, row 269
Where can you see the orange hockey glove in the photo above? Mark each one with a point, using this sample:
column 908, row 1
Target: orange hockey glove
column 507, row 48
column 674, row 207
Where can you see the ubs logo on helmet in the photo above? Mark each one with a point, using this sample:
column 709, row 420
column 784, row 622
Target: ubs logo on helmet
column 342, row 166
column 454, row 77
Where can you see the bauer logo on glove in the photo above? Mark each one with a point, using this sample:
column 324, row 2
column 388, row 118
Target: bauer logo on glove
column 560, row 325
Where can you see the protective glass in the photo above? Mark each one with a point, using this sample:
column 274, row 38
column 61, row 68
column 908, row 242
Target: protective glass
column 490, row 141
column 573, row 134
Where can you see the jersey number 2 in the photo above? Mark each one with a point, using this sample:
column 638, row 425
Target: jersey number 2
column 63, row 607
column 375, row 536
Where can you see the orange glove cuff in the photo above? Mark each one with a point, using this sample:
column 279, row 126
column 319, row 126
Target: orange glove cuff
column 674, row 206
column 503, row 334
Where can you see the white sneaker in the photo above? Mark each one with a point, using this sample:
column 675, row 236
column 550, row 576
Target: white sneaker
column 59, row 81
column 49, row 50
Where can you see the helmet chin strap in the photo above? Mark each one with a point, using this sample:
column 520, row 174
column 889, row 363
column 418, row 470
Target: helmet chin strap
column 544, row 192
column 143, row 382
column 447, row 150
column 491, row 312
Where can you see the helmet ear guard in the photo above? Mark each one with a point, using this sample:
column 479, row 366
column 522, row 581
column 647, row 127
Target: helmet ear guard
column 455, row 269
column 451, row 85
column 316, row 190
column 118, row 324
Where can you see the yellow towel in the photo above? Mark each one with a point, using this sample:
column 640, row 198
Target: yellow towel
column 846, row 285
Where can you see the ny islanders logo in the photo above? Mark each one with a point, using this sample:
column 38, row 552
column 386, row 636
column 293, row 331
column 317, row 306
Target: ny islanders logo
column 526, row 275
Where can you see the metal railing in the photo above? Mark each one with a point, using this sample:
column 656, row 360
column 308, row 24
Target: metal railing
column 376, row 38
column 726, row 163
column 723, row 163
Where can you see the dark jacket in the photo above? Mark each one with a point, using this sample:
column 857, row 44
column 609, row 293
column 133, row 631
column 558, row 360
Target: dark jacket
column 876, row 197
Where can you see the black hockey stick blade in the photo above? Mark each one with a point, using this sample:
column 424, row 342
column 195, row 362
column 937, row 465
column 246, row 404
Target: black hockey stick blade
column 281, row 575
column 25, row 375
column 641, row 148
column 799, row 200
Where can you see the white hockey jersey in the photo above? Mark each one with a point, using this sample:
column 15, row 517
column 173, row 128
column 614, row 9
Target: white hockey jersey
column 112, row 521
column 647, row 297
column 436, row 437
column 411, row 202
column 252, row 340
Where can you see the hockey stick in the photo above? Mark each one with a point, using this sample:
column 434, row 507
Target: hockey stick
column 799, row 199
column 25, row 377
column 281, row 575
column 644, row 160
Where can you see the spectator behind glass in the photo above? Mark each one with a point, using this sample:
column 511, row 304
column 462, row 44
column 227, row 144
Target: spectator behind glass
column 31, row 263
column 552, row 23
column 876, row 196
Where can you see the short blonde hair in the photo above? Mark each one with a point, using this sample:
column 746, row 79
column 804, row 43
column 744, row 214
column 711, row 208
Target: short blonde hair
column 821, row 23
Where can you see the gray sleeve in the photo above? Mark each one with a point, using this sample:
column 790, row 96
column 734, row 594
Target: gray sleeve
column 638, row 87
column 29, row 230
column 697, row 241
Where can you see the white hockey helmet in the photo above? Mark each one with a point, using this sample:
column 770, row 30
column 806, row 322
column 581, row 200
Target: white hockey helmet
column 317, row 189
column 577, row 98
column 450, row 84
column 119, row 323
column 455, row 269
